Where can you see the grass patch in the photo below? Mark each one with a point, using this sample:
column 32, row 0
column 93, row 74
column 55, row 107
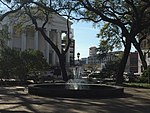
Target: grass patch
column 137, row 85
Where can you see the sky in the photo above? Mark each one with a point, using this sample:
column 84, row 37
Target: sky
column 85, row 37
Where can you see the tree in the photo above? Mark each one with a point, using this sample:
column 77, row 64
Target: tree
column 15, row 64
column 92, row 67
column 145, row 78
column 110, row 39
column 57, row 8
column 34, row 61
column 4, row 35
column 11, row 65
column 104, row 48
column 129, row 17
column 111, row 68
column 46, row 9
column 8, row 7
column 144, row 41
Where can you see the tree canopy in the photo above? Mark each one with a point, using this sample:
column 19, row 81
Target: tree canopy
column 37, row 10
column 15, row 64
column 123, row 21
column 34, row 60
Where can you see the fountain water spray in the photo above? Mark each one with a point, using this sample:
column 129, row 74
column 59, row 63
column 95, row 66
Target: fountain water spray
column 77, row 83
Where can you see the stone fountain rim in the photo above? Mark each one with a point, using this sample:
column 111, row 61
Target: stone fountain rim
column 106, row 91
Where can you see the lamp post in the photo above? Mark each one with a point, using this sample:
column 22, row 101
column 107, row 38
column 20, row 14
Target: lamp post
column 78, row 55
column 77, row 67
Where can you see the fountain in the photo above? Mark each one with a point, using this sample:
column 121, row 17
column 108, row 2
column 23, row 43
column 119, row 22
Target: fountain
column 76, row 87
column 77, row 83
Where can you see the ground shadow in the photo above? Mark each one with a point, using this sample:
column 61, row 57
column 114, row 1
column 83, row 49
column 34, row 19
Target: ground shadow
column 129, row 103
column 7, row 111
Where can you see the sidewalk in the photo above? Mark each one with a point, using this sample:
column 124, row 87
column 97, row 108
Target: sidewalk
column 17, row 100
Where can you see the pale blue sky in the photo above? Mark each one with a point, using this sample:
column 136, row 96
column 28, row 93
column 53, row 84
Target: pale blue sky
column 85, row 37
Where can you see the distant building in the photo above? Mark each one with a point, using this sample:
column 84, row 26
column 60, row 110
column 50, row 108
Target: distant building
column 109, row 57
column 93, row 57
column 132, row 63
column 84, row 60
column 92, row 51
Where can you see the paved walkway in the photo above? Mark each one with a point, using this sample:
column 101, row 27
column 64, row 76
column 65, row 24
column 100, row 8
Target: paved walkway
column 17, row 100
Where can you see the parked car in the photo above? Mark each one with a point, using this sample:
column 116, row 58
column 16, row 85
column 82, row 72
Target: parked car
column 85, row 74
column 95, row 78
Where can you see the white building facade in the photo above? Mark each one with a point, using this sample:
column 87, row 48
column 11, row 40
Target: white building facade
column 29, row 38
column 145, row 46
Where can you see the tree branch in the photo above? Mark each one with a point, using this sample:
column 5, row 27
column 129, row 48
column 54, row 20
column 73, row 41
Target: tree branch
column 10, row 12
column 131, row 3
column 5, row 4
column 41, row 30
column 86, row 18
column 89, row 7
column 46, row 20
column 141, row 39
column 68, row 37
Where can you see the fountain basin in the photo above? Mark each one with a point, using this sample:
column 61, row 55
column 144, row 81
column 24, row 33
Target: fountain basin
column 59, row 90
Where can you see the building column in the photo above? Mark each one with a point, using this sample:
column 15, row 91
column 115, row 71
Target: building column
column 51, row 50
column 10, row 30
column 55, row 58
column 36, row 40
column 68, row 57
column 23, row 41
column 68, row 53
column 58, row 43
column 47, row 48
column 139, row 65
column 58, row 40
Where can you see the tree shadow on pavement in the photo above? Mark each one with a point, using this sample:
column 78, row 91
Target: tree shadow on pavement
column 129, row 103
column 6, row 111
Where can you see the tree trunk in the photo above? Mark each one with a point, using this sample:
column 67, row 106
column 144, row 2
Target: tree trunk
column 61, row 56
column 119, row 77
column 144, row 63
column 63, row 67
